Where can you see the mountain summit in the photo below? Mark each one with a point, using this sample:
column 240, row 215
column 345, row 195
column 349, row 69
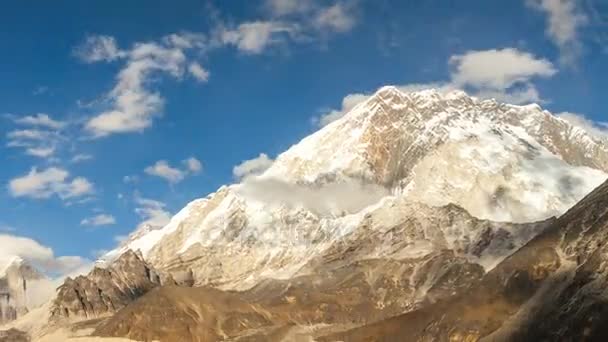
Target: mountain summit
column 498, row 162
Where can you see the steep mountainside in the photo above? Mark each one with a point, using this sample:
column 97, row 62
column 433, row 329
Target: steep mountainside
column 553, row 289
column 391, row 266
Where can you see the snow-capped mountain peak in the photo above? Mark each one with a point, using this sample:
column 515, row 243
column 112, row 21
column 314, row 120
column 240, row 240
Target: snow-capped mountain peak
column 497, row 161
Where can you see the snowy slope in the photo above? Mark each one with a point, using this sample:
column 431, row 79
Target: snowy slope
column 497, row 161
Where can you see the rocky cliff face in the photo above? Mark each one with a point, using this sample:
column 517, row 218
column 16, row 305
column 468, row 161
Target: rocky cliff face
column 106, row 290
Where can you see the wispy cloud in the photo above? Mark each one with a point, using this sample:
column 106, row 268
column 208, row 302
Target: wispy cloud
column 40, row 255
column 564, row 21
column 52, row 181
column 38, row 135
column 99, row 48
column 286, row 21
column 81, row 158
column 99, row 220
column 254, row 37
column 596, row 129
column 133, row 103
column 252, row 167
column 40, row 119
column 193, row 165
column 152, row 212
column 198, row 72
column 162, row 169
column 174, row 175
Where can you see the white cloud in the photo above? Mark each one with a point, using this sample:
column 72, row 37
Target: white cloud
column 287, row 7
column 336, row 18
column 52, row 181
column 348, row 103
column 133, row 105
column 81, row 157
column 43, row 259
column 505, row 75
column 330, row 199
column 252, row 167
column 40, row 119
column 564, row 20
column 597, row 129
column 152, row 212
column 99, row 48
column 498, row 69
column 41, row 136
column 23, row 247
column 29, row 134
column 162, row 169
column 39, row 255
column 198, row 72
column 314, row 18
column 42, row 152
column 99, row 220
column 194, row 165
column 253, row 37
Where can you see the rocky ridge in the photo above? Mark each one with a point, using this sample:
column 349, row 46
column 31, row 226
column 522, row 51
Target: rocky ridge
column 106, row 290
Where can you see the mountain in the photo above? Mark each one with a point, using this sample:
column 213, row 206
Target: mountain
column 18, row 287
column 552, row 289
column 407, row 202
column 498, row 162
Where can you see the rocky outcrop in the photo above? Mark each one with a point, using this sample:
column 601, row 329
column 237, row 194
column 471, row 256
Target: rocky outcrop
column 13, row 335
column 106, row 290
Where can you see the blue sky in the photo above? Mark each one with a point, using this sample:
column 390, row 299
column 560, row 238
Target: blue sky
column 107, row 107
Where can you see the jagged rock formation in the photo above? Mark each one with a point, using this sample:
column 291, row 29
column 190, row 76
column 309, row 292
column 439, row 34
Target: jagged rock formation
column 106, row 290
column 15, row 299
